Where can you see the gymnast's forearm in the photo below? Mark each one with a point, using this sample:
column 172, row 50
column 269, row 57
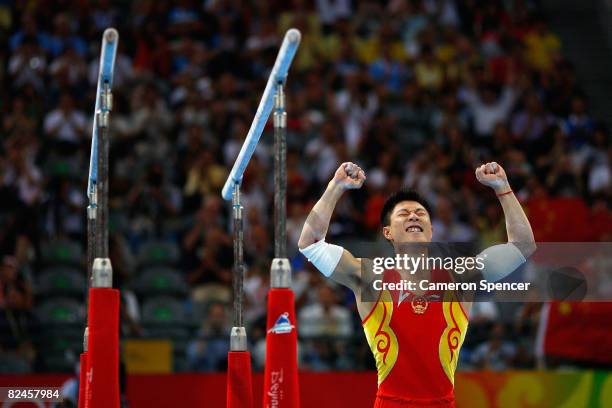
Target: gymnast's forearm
column 317, row 223
column 518, row 227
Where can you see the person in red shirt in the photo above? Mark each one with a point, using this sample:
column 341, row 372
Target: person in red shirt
column 414, row 335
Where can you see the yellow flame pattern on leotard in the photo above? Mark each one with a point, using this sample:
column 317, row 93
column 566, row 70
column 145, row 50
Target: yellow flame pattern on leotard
column 453, row 336
column 381, row 337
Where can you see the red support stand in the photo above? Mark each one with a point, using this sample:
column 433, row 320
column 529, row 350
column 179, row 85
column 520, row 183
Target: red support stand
column 103, row 349
column 281, row 372
column 239, row 380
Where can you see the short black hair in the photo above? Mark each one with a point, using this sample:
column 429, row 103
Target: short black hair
column 396, row 198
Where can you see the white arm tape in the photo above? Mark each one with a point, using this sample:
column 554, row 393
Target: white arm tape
column 323, row 256
column 500, row 261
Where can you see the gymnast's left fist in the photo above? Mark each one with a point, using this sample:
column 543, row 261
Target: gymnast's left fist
column 493, row 175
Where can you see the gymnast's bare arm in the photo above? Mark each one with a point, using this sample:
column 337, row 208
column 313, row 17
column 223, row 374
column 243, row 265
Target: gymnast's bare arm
column 518, row 227
column 348, row 176
column 503, row 259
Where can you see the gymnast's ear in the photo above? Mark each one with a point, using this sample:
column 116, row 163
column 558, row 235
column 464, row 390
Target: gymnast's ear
column 387, row 233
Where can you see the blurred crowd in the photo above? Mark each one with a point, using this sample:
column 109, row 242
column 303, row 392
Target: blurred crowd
column 417, row 92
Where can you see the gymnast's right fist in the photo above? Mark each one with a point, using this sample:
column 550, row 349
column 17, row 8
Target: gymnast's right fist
column 349, row 176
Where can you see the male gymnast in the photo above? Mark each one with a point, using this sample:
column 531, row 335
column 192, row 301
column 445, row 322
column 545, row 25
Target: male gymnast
column 415, row 336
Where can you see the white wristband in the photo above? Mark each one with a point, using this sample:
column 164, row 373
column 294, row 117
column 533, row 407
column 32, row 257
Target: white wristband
column 325, row 257
column 500, row 261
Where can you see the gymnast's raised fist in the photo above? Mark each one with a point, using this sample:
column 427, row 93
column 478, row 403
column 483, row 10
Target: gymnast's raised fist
column 493, row 175
column 349, row 176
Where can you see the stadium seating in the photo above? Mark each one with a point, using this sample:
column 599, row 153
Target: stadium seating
column 62, row 252
column 158, row 253
column 61, row 339
column 164, row 316
column 159, row 281
column 62, row 168
column 61, row 281
column 60, row 311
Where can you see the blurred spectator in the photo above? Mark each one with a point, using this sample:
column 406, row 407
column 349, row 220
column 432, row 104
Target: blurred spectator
column 209, row 351
column 322, row 150
column 29, row 30
column 489, row 107
column 152, row 51
column 496, row 353
column 209, row 268
column 21, row 173
column 483, row 316
column 413, row 21
column 326, row 317
column 151, row 201
column 17, row 323
column 446, row 227
column 428, row 72
column 483, row 313
column 123, row 265
column 69, row 69
column 562, row 179
column 150, row 119
column 391, row 73
column 258, row 242
column 105, row 15
column 64, row 215
column 357, row 105
column 578, row 125
column 491, row 225
column 18, row 118
column 450, row 115
column 543, row 46
column 10, row 277
column 332, row 10
column 205, row 176
column 530, row 123
column 325, row 326
column 28, row 64
column 65, row 126
column 256, row 286
column 63, row 37
column 209, row 215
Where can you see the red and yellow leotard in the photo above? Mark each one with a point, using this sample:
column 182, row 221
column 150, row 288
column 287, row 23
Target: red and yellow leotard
column 415, row 340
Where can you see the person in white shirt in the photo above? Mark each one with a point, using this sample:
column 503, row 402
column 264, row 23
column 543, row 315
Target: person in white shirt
column 488, row 108
column 447, row 228
column 326, row 317
column 66, row 125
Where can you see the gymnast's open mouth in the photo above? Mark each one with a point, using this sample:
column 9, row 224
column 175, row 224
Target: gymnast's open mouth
column 414, row 228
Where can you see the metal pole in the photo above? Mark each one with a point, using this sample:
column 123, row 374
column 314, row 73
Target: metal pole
column 280, row 269
column 103, row 155
column 280, row 173
column 238, row 339
column 91, row 237
column 102, row 272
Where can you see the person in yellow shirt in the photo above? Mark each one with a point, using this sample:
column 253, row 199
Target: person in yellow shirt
column 370, row 49
column 543, row 47
column 428, row 71
column 205, row 176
